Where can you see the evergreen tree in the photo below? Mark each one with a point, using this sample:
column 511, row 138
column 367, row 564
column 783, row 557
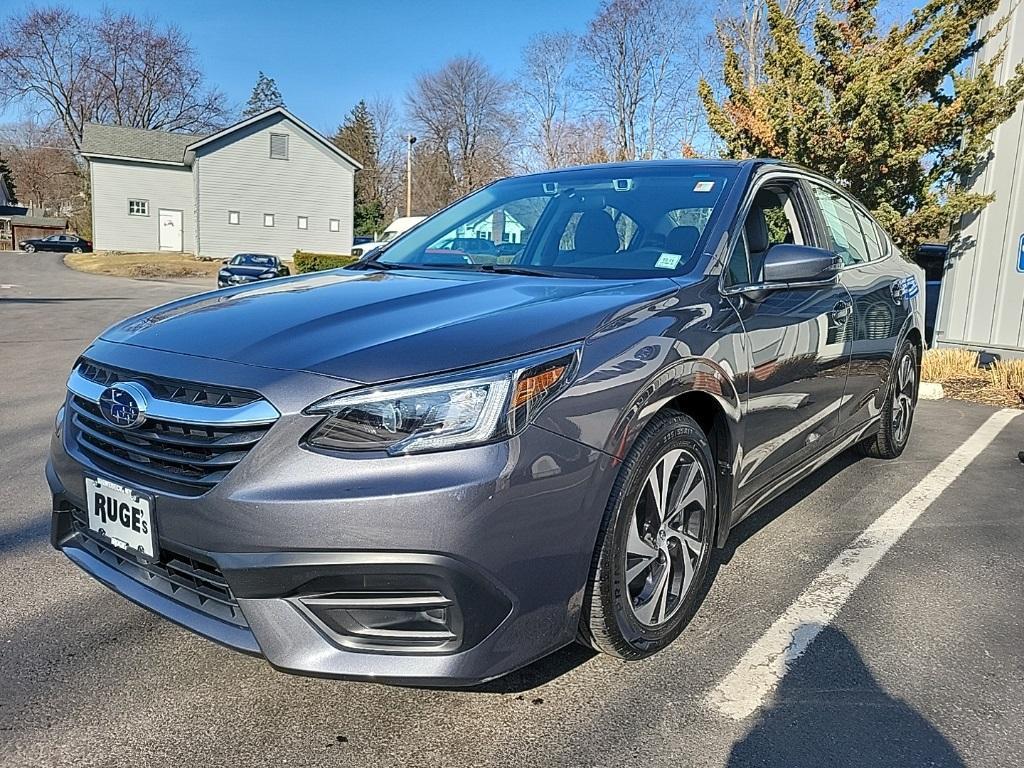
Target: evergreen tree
column 7, row 175
column 357, row 137
column 898, row 118
column 264, row 96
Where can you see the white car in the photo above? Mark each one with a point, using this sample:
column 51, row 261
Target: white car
column 397, row 227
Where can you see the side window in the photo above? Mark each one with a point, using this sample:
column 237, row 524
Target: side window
column 841, row 223
column 771, row 220
column 738, row 269
column 872, row 237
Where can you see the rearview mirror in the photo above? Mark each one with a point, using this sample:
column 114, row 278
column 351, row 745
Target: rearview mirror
column 791, row 264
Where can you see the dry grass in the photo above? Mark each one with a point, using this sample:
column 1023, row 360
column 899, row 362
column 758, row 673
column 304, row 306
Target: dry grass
column 142, row 265
column 1001, row 383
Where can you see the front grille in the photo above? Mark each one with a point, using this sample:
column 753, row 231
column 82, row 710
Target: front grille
column 187, row 458
column 170, row 390
column 181, row 577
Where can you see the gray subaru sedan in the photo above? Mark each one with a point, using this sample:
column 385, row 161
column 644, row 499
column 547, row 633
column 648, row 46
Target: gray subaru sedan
column 528, row 421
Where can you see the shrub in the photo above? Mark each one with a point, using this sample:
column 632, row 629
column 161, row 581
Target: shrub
column 316, row 262
column 949, row 363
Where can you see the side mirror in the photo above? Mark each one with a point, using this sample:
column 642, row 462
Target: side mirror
column 791, row 264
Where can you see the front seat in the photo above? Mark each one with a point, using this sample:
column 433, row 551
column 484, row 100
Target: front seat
column 758, row 241
column 595, row 236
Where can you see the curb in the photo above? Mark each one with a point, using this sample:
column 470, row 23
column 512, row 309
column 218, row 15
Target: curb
column 930, row 391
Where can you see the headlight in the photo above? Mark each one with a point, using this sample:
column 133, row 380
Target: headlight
column 357, row 252
column 265, row 275
column 224, row 273
column 442, row 412
column 58, row 421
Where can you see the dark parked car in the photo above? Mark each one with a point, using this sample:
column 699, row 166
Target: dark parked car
column 362, row 239
column 426, row 470
column 249, row 267
column 58, row 243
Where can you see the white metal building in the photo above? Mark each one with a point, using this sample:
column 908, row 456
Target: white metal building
column 981, row 304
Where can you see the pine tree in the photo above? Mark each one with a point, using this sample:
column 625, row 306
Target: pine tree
column 357, row 137
column 898, row 118
column 265, row 95
column 8, row 176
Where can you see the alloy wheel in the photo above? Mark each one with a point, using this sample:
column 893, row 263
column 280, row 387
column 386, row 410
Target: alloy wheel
column 903, row 399
column 667, row 537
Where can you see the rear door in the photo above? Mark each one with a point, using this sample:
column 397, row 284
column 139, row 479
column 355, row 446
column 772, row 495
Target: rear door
column 881, row 308
column 798, row 346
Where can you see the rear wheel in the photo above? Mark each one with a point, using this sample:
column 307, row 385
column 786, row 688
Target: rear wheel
column 897, row 415
column 655, row 542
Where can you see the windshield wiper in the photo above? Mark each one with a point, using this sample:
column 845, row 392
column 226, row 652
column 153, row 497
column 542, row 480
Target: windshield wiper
column 513, row 269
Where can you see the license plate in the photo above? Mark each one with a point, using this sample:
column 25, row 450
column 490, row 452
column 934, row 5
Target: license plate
column 122, row 515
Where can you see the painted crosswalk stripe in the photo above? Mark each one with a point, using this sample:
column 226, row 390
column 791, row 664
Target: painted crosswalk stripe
column 764, row 665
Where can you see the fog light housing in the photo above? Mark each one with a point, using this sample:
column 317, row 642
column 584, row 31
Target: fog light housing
column 386, row 621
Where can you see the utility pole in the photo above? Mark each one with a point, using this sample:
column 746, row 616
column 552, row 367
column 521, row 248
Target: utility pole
column 410, row 140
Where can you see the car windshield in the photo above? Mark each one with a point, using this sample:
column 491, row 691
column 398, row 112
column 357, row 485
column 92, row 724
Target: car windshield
column 253, row 260
column 390, row 235
column 635, row 221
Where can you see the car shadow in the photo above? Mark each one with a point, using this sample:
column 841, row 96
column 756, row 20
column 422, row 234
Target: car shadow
column 830, row 710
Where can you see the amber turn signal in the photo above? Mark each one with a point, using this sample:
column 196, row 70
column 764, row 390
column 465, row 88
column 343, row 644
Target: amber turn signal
column 529, row 387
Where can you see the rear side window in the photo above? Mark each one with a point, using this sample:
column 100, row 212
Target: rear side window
column 842, row 227
column 872, row 236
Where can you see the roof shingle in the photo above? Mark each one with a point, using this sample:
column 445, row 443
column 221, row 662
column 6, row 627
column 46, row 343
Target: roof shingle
column 137, row 143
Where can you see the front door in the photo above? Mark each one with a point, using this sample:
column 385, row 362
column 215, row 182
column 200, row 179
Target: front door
column 797, row 341
column 170, row 230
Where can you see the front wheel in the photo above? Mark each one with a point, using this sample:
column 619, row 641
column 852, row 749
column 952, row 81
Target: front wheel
column 30, row 249
column 897, row 415
column 76, row 249
column 655, row 542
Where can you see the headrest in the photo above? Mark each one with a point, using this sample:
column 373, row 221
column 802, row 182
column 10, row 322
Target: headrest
column 682, row 240
column 757, row 231
column 596, row 233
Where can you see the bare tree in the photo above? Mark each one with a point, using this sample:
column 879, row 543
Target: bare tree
column 743, row 26
column 460, row 113
column 72, row 69
column 639, row 53
column 387, row 179
column 547, row 91
column 43, row 166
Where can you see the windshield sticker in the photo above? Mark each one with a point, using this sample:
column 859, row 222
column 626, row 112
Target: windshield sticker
column 703, row 186
column 668, row 261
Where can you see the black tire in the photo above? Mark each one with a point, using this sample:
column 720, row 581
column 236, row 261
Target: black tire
column 894, row 430
column 76, row 249
column 30, row 249
column 610, row 620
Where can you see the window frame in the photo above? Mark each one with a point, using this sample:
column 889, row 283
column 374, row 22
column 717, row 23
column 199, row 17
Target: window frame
column 140, row 202
column 334, row 225
column 806, row 218
column 271, row 218
column 302, row 222
column 287, row 150
column 238, row 218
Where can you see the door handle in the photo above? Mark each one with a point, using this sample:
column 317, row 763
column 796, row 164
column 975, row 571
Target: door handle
column 841, row 311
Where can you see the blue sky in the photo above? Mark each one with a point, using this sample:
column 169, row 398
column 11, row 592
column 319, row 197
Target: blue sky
column 325, row 55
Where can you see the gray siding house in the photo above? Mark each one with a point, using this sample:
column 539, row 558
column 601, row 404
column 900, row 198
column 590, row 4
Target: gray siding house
column 269, row 184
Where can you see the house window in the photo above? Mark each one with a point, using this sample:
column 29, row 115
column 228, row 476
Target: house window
column 335, row 225
column 234, row 217
column 138, row 207
column 268, row 219
column 303, row 222
column 279, row 146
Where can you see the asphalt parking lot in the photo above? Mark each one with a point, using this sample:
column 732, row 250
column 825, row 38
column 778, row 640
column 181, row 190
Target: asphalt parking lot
column 922, row 665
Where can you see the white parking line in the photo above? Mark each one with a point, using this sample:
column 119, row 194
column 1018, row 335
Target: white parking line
column 764, row 665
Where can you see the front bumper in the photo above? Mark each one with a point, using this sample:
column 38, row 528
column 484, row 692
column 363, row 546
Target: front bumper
column 498, row 537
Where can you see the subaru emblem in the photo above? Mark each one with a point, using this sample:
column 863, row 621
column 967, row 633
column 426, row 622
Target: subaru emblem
column 124, row 404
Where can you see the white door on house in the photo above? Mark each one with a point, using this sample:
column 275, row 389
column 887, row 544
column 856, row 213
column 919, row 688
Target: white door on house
column 170, row 230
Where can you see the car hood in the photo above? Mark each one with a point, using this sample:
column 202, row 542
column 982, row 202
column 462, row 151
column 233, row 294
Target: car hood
column 370, row 327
